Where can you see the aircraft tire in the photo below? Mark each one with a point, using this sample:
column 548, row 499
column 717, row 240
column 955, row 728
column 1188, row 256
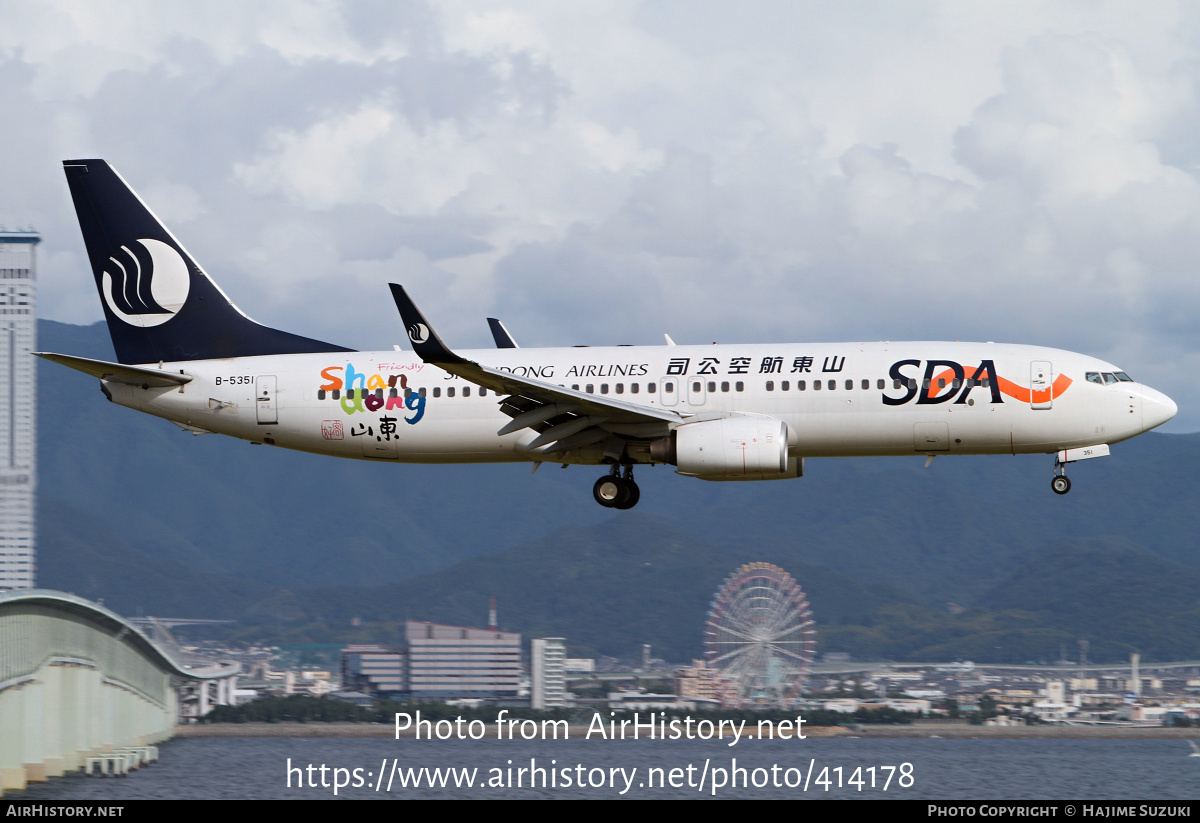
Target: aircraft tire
column 635, row 494
column 610, row 491
column 1061, row 484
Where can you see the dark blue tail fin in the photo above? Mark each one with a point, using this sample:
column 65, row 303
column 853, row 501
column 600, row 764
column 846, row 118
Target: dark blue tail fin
column 160, row 305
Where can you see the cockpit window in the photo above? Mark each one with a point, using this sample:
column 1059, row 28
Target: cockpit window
column 1094, row 377
column 1110, row 378
column 1123, row 377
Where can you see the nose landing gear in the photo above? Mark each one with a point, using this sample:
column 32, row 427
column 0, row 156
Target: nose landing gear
column 1060, row 482
column 616, row 490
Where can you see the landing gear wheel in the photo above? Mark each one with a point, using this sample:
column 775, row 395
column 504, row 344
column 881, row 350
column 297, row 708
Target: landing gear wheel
column 635, row 494
column 1061, row 484
column 610, row 491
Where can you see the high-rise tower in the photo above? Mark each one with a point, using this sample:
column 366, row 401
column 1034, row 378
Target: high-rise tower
column 18, row 445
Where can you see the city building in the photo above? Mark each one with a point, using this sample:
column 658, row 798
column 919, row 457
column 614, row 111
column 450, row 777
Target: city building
column 18, row 336
column 437, row 662
column 547, row 663
column 376, row 670
column 700, row 681
column 446, row 662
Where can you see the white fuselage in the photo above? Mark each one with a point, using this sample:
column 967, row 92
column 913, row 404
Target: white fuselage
column 873, row 398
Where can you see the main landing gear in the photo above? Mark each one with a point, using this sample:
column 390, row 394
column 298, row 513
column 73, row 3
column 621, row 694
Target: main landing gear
column 616, row 490
column 1060, row 483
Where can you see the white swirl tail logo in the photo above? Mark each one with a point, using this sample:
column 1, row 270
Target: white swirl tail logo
column 146, row 287
column 418, row 333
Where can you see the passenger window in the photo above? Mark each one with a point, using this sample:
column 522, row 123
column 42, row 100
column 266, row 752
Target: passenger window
column 712, row 386
column 482, row 393
column 880, row 384
column 337, row 393
column 350, row 394
column 832, row 385
column 408, row 393
column 739, row 385
column 466, row 391
column 866, row 384
column 379, row 393
column 770, row 385
column 696, row 387
column 801, row 385
column 604, row 388
column 420, row 391
column 437, row 391
column 591, row 388
column 849, row 385
column 941, row 382
column 320, row 394
column 725, row 386
column 633, row 388
column 816, row 385
column 956, row 383
column 394, row 393
column 783, row 386
column 620, row 388
column 449, row 391
column 912, row 383
column 575, row 386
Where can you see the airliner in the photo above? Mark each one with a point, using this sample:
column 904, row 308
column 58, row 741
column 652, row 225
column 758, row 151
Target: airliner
column 186, row 353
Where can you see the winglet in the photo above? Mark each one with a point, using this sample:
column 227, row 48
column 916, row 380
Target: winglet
column 503, row 339
column 426, row 343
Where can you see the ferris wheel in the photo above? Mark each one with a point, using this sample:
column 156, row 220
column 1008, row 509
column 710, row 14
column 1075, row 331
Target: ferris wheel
column 759, row 633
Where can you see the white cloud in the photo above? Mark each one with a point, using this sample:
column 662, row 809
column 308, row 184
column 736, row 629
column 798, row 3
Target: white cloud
column 612, row 169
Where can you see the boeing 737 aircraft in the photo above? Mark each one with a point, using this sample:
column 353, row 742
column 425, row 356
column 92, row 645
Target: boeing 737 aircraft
column 719, row 412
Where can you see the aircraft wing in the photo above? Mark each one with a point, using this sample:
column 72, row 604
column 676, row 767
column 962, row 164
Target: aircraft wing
column 564, row 417
column 118, row 372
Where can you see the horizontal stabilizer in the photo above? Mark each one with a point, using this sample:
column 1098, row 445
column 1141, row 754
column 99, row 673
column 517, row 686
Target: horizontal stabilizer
column 117, row 372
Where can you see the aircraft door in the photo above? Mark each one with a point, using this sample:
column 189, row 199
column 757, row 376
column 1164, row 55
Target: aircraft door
column 696, row 394
column 1041, row 384
column 668, row 390
column 265, row 391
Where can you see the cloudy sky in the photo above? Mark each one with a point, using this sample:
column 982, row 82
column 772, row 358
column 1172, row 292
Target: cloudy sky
column 604, row 172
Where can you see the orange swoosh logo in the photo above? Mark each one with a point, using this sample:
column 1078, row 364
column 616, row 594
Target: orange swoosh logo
column 1025, row 395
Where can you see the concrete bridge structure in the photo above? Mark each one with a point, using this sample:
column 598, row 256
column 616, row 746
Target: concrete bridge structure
column 77, row 680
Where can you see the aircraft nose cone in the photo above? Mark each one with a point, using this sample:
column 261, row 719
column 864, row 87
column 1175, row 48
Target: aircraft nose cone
column 1157, row 409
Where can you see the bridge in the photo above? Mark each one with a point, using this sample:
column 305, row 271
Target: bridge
column 77, row 680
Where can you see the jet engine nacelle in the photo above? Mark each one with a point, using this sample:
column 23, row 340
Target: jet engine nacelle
column 738, row 447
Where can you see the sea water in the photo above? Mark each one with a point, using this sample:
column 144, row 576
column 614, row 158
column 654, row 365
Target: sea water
column 908, row 768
